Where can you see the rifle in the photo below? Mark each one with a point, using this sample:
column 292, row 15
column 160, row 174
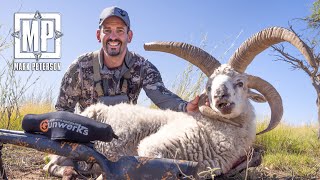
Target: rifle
column 127, row 167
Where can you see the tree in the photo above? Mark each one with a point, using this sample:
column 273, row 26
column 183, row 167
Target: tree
column 314, row 19
column 313, row 31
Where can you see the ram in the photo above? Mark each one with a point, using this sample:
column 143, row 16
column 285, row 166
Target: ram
column 222, row 131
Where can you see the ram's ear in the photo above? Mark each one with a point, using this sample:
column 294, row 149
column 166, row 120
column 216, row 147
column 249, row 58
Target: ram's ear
column 256, row 97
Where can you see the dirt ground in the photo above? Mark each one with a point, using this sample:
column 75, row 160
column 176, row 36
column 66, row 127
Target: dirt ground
column 23, row 163
column 26, row 163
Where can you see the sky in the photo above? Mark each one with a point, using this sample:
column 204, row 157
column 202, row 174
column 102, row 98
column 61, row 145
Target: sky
column 224, row 24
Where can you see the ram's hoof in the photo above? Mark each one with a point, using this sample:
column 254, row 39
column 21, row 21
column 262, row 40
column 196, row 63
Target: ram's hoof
column 69, row 173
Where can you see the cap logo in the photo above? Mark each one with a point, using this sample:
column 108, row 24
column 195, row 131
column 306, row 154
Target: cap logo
column 122, row 12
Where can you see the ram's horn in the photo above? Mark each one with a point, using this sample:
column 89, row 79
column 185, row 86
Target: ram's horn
column 264, row 39
column 194, row 55
column 273, row 98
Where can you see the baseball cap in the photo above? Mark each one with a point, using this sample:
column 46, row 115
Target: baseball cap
column 114, row 11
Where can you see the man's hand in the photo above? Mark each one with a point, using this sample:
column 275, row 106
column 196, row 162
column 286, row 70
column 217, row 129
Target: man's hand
column 192, row 106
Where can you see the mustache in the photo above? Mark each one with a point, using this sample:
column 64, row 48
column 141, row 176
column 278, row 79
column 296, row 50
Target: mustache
column 115, row 40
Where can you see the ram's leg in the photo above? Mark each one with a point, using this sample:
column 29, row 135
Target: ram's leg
column 180, row 142
column 60, row 166
column 129, row 129
column 161, row 145
column 171, row 141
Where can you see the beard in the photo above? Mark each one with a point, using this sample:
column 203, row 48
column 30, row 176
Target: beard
column 113, row 51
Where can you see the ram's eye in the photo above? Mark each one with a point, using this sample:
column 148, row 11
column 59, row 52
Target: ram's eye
column 209, row 88
column 239, row 84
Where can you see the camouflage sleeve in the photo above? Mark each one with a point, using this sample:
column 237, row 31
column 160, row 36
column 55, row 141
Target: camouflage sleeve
column 70, row 89
column 158, row 93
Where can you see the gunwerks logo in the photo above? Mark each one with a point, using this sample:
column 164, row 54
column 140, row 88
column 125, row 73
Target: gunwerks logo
column 71, row 126
column 37, row 36
column 44, row 125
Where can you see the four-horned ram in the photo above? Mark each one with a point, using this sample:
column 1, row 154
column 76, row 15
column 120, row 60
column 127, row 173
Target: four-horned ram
column 224, row 129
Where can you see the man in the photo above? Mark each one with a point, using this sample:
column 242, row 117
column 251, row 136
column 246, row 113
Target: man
column 114, row 74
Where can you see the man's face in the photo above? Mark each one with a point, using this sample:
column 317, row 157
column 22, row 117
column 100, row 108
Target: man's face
column 114, row 36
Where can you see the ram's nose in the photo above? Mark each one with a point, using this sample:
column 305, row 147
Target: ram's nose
column 221, row 93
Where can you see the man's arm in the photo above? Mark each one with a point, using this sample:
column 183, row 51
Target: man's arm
column 158, row 93
column 70, row 89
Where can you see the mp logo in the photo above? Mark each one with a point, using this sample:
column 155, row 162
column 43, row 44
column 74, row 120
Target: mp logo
column 37, row 35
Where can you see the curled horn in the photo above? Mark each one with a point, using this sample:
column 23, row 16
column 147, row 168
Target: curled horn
column 264, row 39
column 273, row 98
column 194, row 55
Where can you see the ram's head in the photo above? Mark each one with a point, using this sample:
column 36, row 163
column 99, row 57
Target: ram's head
column 227, row 93
column 229, row 88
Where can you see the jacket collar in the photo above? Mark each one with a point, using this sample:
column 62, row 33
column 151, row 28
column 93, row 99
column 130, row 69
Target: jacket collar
column 126, row 65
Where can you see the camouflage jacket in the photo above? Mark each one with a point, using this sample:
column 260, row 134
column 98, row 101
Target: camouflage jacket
column 78, row 85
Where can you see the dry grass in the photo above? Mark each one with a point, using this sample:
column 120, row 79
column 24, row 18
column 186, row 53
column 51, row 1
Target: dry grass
column 28, row 107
